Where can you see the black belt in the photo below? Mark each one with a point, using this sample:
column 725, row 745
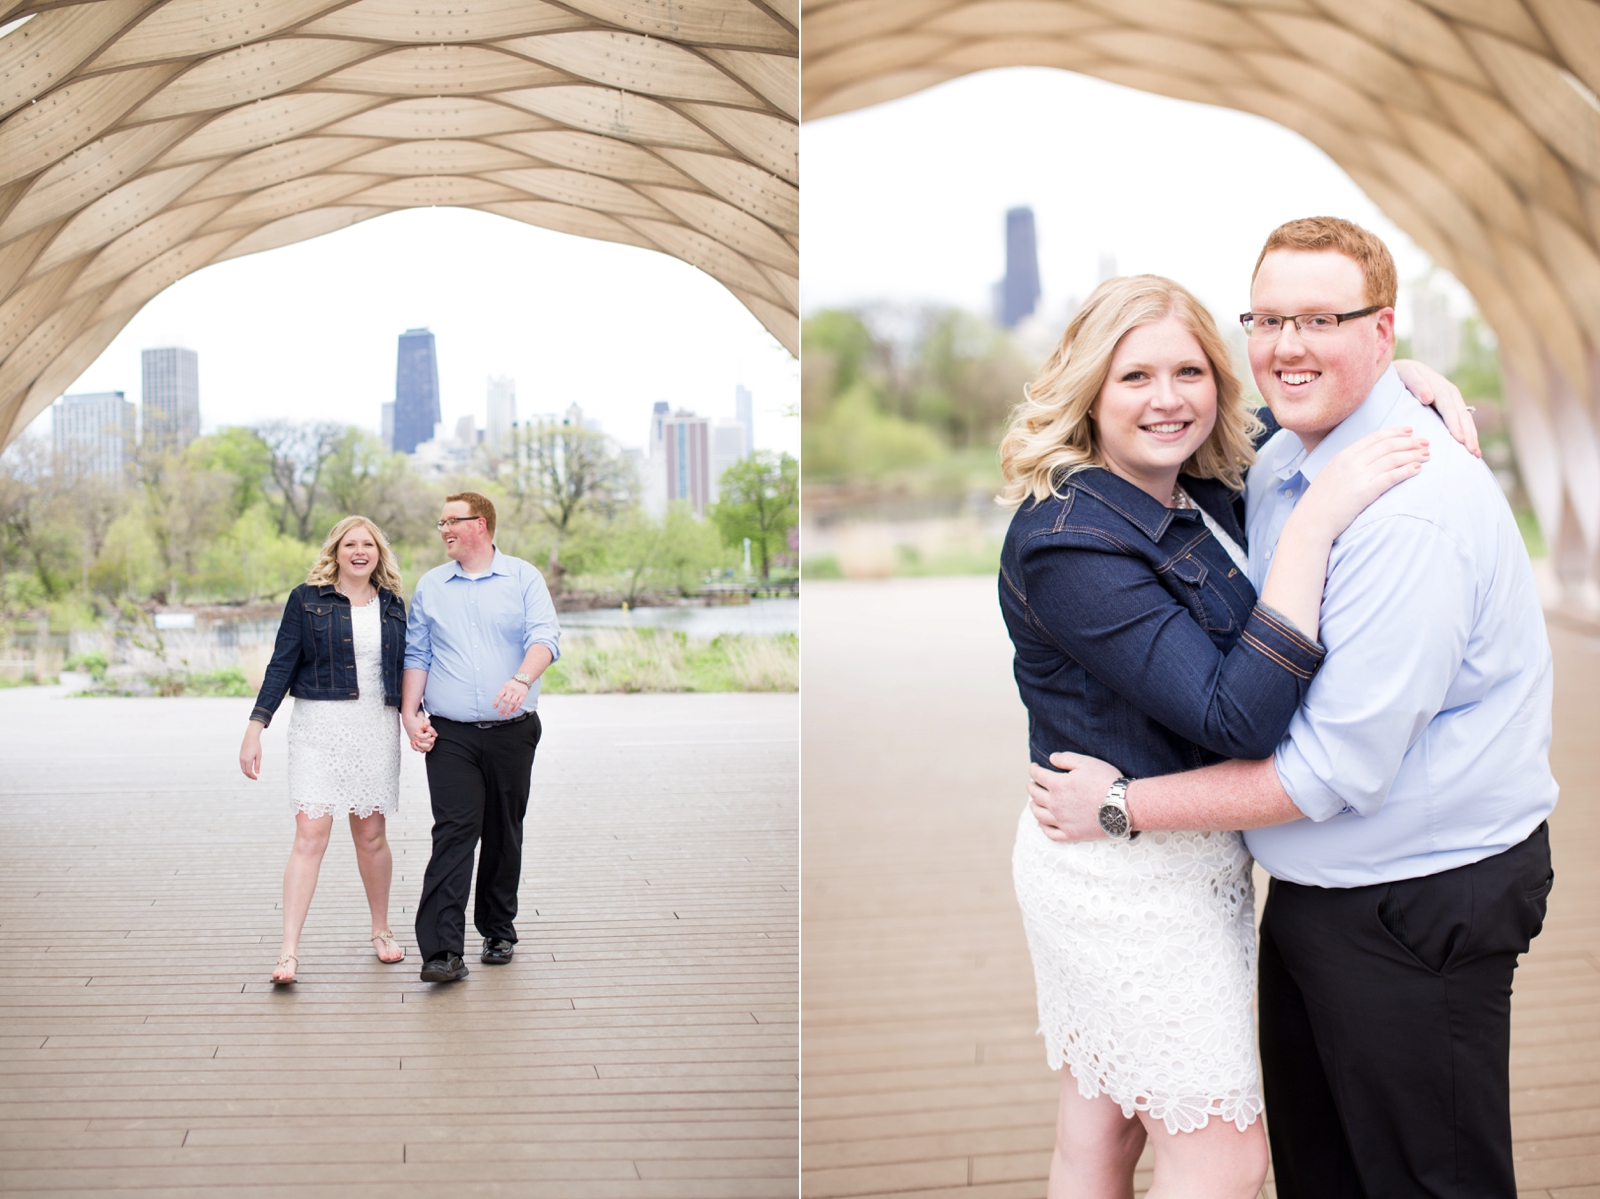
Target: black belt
column 484, row 724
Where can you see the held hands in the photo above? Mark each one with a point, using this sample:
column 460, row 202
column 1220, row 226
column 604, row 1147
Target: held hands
column 1430, row 387
column 1067, row 804
column 420, row 731
column 509, row 701
column 1357, row 475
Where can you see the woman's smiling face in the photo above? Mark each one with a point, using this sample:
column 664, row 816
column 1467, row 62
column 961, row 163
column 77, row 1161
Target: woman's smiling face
column 358, row 555
column 1157, row 406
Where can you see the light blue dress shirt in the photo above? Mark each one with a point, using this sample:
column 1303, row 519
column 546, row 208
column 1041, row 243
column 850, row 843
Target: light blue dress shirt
column 1423, row 743
column 471, row 632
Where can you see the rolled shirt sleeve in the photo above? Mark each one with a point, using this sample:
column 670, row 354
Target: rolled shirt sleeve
column 540, row 626
column 419, row 643
column 1397, row 615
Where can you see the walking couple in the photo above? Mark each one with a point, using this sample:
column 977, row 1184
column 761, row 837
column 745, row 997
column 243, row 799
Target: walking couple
column 463, row 669
column 1324, row 632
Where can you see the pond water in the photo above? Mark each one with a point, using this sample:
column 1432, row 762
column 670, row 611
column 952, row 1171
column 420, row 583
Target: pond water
column 760, row 617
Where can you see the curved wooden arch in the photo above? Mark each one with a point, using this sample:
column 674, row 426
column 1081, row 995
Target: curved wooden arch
column 1472, row 123
column 141, row 140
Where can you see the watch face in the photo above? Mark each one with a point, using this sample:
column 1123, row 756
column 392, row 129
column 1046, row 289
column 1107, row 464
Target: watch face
column 1114, row 820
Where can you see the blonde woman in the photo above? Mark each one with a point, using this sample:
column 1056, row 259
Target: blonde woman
column 1140, row 640
column 340, row 651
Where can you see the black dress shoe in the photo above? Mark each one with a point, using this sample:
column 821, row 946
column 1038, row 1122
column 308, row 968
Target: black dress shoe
column 445, row 968
column 497, row 951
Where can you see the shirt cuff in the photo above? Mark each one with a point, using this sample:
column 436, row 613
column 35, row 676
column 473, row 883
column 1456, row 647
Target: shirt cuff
column 1302, row 784
column 264, row 716
column 418, row 662
column 553, row 646
column 1271, row 634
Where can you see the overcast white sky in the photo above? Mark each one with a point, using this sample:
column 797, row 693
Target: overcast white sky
column 309, row 330
column 906, row 201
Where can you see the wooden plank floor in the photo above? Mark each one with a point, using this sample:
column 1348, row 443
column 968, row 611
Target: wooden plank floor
column 922, row 1074
column 643, row 1043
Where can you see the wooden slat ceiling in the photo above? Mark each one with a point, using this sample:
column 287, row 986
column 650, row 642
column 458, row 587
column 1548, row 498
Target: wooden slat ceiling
column 141, row 140
column 1473, row 124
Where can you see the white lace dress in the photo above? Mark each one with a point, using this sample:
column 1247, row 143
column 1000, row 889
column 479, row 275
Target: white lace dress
column 344, row 754
column 1144, row 956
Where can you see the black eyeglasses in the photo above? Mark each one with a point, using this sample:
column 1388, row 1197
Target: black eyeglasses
column 453, row 520
column 1270, row 324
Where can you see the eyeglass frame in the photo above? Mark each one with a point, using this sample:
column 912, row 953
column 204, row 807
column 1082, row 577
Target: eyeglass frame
column 453, row 521
column 1247, row 319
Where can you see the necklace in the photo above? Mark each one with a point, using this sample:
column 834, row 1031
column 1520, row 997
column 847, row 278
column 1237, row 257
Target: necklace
column 1180, row 498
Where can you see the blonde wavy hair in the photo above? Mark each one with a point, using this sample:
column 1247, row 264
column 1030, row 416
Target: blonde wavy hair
column 1051, row 436
column 386, row 574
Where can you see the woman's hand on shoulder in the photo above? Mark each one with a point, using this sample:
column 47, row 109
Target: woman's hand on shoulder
column 1357, row 475
column 1432, row 388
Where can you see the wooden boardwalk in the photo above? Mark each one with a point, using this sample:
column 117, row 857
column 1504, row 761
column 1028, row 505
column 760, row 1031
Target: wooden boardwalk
column 642, row 1045
column 922, row 1073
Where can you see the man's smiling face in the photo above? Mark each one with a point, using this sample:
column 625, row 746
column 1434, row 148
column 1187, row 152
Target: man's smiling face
column 1313, row 383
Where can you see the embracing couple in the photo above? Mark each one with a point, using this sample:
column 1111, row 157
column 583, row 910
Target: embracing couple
column 1327, row 635
column 463, row 671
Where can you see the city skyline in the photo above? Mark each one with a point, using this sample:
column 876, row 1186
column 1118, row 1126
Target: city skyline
column 613, row 326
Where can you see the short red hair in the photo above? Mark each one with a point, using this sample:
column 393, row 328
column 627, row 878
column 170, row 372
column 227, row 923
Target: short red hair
column 1318, row 233
column 478, row 505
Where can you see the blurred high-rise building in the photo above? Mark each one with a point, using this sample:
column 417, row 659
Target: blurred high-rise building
column 728, row 438
column 653, row 467
column 744, row 411
column 386, row 424
column 686, row 455
column 502, row 411
column 416, row 391
column 94, row 434
column 1019, row 290
column 170, row 396
column 1435, row 333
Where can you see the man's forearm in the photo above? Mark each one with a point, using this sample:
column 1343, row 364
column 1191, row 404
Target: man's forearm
column 537, row 660
column 1229, row 795
column 413, row 683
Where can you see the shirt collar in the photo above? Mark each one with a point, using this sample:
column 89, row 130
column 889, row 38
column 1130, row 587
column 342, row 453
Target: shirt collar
column 496, row 567
column 1285, row 455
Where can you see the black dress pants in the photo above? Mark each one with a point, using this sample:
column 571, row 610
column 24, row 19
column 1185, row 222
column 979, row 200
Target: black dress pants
column 478, row 781
column 1386, row 1029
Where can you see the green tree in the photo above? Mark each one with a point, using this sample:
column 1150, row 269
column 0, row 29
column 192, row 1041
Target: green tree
column 759, row 498
column 561, row 473
column 244, row 455
column 299, row 454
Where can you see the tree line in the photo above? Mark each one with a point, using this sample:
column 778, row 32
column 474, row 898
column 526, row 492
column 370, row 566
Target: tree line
column 237, row 516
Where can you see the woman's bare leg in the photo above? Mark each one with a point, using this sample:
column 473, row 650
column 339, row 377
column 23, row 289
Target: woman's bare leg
column 1214, row 1162
column 1097, row 1147
column 300, row 877
column 376, row 864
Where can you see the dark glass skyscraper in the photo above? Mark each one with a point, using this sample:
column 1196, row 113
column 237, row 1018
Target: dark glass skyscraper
column 416, row 391
column 171, row 396
column 1019, row 292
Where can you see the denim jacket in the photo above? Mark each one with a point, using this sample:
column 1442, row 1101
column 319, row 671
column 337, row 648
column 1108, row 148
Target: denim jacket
column 315, row 658
column 1138, row 641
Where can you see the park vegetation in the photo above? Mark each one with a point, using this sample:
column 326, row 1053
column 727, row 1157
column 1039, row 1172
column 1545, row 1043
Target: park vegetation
column 237, row 518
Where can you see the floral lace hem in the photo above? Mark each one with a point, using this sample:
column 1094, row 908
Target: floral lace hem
column 1180, row 1113
column 360, row 811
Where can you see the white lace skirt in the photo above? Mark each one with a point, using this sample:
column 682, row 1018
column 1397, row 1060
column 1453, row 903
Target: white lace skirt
column 344, row 756
column 1144, row 955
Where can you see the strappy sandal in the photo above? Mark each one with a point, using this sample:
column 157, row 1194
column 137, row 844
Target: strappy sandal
column 385, row 942
column 281, row 982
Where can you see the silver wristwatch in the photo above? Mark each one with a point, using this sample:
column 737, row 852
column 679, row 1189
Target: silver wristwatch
column 1114, row 818
column 521, row 677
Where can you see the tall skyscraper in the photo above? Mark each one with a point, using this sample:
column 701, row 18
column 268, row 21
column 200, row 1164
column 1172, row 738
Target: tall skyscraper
column 744, row 411
column 728, row 438
column 416, row 391
column 1019, row 291
column 653, row 469
column 502, row 414
column 171, row 397
column 94, row 434
column 687, row 444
